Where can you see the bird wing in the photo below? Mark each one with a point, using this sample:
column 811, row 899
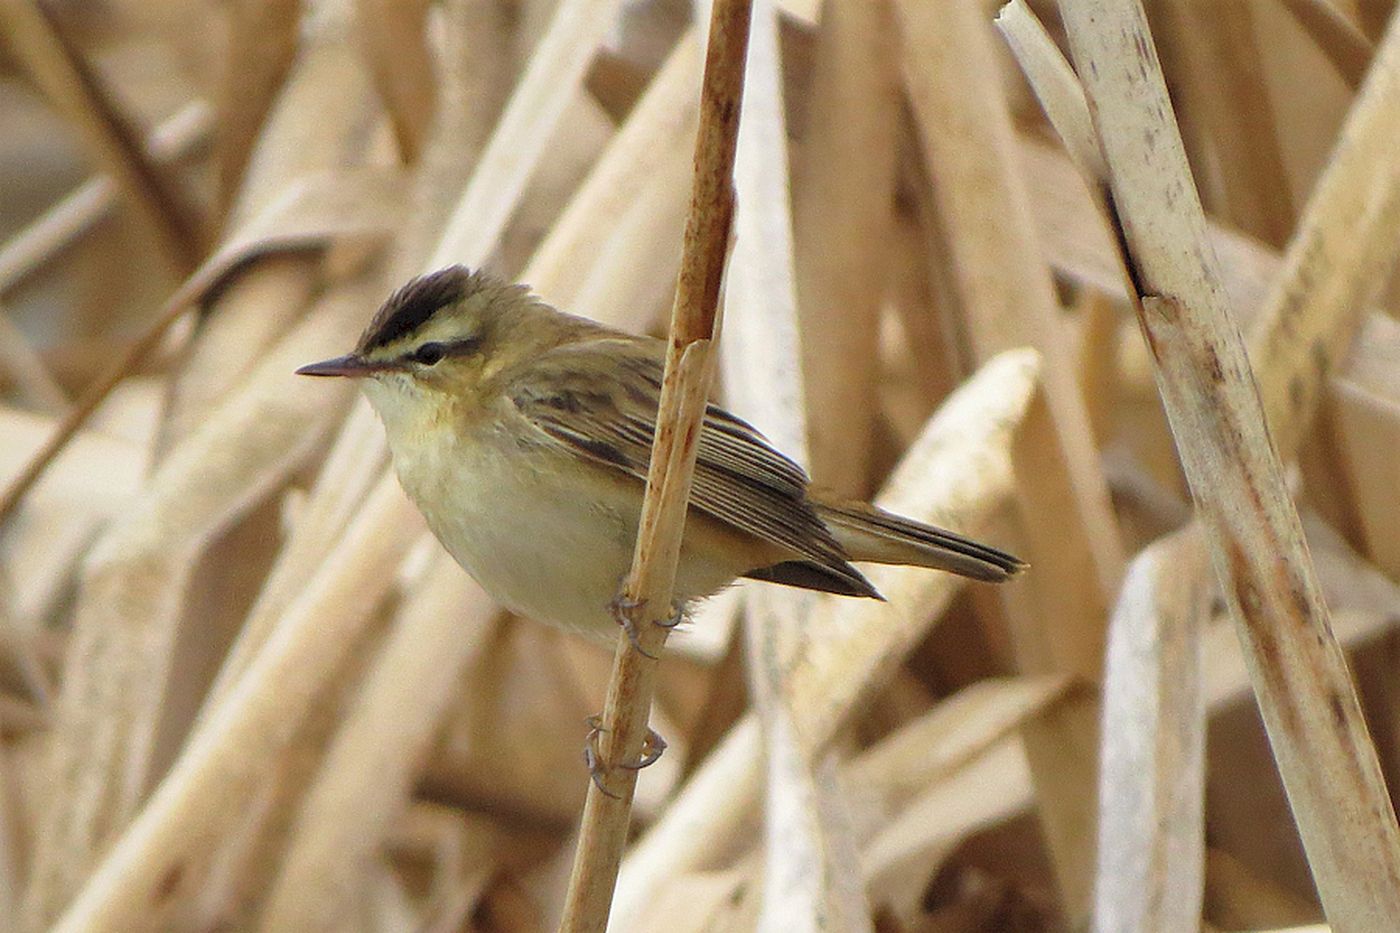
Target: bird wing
column 599, row 398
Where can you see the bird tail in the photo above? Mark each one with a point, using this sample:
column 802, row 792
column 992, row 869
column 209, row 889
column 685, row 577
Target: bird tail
column 871, row 534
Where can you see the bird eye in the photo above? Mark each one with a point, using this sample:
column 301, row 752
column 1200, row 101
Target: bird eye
column 429, row 353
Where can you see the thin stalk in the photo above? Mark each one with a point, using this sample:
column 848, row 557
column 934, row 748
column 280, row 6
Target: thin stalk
column 684, row 388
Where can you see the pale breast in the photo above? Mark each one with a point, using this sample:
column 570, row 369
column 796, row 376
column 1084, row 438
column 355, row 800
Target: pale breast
column 548, row 537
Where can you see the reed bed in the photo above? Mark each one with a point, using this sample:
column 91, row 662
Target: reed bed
column 1109, row 286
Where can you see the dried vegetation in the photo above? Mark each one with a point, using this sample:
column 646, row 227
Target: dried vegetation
column 1149, row 343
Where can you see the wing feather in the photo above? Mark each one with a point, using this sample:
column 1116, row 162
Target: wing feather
column 578, row 396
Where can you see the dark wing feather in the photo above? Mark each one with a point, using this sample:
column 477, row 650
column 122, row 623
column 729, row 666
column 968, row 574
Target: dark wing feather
column 573, row 397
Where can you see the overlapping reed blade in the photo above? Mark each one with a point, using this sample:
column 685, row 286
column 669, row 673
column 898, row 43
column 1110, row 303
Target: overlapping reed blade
column 163, row 852
column 853, row 644
column 647, row 591
column 130, row 603
column 1338, row 37
column 262, row 43
column 842, row 208
column 808, row 841
column 555, row 71
column 22, row 365
column 133, row 586
column 1220, row 73
column 664, row 115
column 1335, row 261
column 1314, row 720
column 1151, row 828
column 94, row 199
column 372, row 762
column 69, row 82
column 1058, row 615
column 395, row 39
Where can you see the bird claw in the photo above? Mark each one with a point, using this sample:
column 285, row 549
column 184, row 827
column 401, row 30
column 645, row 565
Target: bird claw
column 623, row 607
column 676, row 617
column 652, row 748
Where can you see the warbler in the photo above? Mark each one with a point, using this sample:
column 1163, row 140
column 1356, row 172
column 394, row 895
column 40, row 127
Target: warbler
column 523, row 435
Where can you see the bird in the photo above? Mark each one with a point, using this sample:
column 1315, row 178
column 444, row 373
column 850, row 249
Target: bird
column 523, row 435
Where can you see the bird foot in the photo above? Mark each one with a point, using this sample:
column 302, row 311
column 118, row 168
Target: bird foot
column 623, row 609
column 652, row 747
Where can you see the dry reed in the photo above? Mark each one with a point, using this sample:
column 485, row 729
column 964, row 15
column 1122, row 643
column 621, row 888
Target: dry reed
column 241, row 687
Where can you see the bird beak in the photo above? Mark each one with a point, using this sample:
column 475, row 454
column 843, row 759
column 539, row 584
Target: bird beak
column 348, row 365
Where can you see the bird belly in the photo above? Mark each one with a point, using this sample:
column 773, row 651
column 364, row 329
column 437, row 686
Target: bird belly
column 545, row 543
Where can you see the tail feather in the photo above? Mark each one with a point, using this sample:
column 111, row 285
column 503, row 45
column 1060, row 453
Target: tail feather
column 871, row 534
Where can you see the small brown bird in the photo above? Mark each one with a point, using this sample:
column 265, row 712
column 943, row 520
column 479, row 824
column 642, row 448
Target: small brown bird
column 523, row 435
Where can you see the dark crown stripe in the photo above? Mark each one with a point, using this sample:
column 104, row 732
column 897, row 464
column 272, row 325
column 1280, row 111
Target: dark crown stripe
column 411, row 306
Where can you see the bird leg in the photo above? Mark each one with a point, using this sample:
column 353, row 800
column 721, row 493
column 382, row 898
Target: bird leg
column 652, row 747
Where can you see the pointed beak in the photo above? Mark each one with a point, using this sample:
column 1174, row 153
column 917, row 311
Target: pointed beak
column 347, row 365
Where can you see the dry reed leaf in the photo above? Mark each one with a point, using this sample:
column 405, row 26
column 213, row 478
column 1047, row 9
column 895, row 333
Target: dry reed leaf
column 92, row 482
column 1151, row 827
column 349, row 472
column 854, row 643
column 395, row 44
column 472, row 88
column 901, row 858
column 551, row 79
column 262, row 42
column 842, row 215
column 582, row 133
column 889, row 774
column 1364, row 603
column 1222, row 82
column 1336, row 34
column 248, row 315
column 1337, row 259
column 290, row 153
column 372, row 761
column 9, row 849
column 966, row 446
column 632, row 269
column 518, row 687
column 710, row 820
column 663, row 118
column 1364, row 399
column 1315, row 725
column 1238, row 899
column 720, row 901
column 463, row 851
column 77, row 93
column 1055, row 85
column 232, row 878
column 165, row 849
column 1080, row 248
column 1058, row 614
column 318, row 208
column 21, row 365
column 133, row 585
column 804, row 886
